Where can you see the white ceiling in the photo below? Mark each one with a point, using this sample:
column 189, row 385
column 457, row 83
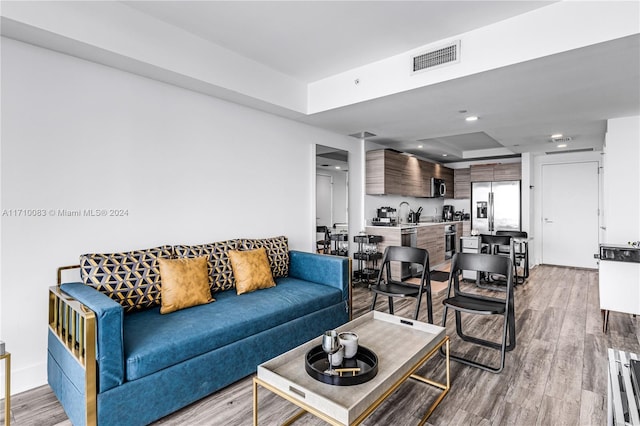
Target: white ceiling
column 310, row 40
column 519, row 106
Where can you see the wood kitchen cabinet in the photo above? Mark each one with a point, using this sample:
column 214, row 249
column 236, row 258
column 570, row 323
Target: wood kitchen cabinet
column 384, row 170
column 509, row 171
column 462, row 183
column 412, row 184
column 481, row 173
column 427, row 170
column 390, row 172
column 432, row 238
column 496, row 172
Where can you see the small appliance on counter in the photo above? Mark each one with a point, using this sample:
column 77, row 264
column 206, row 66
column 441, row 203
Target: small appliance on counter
column 414, row 217
column 447, row 212
column 387, row 216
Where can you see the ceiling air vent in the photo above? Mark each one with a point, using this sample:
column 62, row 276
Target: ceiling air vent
column 564, row 139
column 362, row 135
column 567, row 151
column 435, row 58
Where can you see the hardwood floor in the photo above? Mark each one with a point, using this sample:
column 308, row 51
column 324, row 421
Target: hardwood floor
column 556, row 375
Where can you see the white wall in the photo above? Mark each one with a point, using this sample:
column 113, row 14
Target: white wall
column 188, row 168
column 374, row 202
column 622, row 181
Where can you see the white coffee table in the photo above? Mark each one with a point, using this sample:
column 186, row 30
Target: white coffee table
column 402, row 346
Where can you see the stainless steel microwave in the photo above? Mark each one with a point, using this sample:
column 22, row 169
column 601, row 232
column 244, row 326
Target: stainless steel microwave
column 438, row 187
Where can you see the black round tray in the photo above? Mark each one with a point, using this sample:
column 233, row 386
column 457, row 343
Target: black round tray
column 317, row 361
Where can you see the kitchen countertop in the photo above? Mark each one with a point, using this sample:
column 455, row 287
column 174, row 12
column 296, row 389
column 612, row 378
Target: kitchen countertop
column 421, row 224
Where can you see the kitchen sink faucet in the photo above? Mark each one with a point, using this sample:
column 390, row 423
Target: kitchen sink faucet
column 400, row 215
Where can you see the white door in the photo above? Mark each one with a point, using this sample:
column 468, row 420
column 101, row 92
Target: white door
column 570, row 214
column 324, row 200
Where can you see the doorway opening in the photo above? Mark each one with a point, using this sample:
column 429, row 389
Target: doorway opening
column 332, row 200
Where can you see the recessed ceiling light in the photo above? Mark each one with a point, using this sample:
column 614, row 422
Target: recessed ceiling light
column 420, row 146
column 562, row 145
column 444, row 155
column 556, row 136
column 472, row 118
column 338, row 167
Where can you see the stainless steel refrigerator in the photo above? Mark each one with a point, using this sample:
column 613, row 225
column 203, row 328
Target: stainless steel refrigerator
column 495, row 206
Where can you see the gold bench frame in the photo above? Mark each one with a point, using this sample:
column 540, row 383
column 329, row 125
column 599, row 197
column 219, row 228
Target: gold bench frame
column 74, row 325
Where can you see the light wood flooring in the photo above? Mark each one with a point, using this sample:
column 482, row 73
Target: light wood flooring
column 555, row 375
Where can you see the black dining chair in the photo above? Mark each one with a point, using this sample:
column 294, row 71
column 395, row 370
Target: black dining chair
column 387, row 286
column 472, row 303
column 520, row 252
column 493, row 244
column 323, row 245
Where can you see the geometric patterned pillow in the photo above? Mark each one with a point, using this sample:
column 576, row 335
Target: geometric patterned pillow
column 130, row 278
column 219, row 266
column 277, row 252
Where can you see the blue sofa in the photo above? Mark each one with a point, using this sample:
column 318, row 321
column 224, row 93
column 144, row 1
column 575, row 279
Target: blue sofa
column 148, row 365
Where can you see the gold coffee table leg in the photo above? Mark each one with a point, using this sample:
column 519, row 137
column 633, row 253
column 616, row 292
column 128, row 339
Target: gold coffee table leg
column 445, row 387
column 255, row 402
column 7, row 387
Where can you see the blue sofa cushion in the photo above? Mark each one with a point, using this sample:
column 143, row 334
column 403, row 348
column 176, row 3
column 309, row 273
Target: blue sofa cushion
column 153, row 342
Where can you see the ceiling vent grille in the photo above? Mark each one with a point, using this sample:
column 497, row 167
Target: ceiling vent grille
column 436, row 58
column 564, row 139
column 567, row 151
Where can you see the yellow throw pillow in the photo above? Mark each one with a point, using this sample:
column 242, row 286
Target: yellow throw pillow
column 185, row 283
column 251, row 270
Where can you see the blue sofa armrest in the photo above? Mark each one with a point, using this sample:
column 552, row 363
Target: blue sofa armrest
column 109, row 342
column 334, row 271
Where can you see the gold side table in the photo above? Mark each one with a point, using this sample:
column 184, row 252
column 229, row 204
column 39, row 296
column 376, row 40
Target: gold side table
column 7, row 387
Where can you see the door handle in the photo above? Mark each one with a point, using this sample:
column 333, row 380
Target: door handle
column 546, row 220
column 604, row 228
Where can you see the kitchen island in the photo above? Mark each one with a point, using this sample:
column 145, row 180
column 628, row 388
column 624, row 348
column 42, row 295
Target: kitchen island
column 426, row 235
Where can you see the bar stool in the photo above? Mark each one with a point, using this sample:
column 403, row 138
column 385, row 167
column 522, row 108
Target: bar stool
column 521, row 250
column 491, row 244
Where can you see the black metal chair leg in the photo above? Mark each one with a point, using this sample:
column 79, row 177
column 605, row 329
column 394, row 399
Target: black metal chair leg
column 373, row 304
column 429, row 306
column 391, row 305
column 510, row 334
column 502, row 347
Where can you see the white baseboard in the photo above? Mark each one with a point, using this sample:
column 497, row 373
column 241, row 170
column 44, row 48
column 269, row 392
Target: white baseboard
column 24, row 379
